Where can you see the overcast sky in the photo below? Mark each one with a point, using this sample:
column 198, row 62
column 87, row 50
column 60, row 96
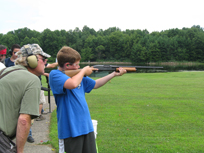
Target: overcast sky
column 153, row 15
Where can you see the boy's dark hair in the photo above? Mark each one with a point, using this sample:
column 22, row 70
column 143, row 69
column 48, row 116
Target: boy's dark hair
column 67, row 54
column 15, row 46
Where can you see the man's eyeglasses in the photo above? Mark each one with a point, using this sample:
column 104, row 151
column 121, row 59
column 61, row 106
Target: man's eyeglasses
column 44, row 59
column 2, row 55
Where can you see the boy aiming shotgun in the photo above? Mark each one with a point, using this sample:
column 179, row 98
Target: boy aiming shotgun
column 75, row 128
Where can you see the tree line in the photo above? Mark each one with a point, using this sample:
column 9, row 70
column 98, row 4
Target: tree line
column 137, row 46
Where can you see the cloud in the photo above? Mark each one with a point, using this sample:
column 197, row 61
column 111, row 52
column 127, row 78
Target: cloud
column 154, row 15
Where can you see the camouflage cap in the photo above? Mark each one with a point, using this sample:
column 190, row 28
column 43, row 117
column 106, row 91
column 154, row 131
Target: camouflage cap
column 34, row 49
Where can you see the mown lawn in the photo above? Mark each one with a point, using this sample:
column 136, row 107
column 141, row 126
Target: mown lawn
column 147, row 112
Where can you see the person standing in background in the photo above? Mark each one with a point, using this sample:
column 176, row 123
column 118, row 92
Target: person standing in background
column 10, row 60
column 3, row 50
column 42, row 96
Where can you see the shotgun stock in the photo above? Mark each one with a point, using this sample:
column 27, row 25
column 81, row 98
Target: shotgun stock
column 72, row 73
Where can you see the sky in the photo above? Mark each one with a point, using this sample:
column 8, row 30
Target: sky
column 152, row 15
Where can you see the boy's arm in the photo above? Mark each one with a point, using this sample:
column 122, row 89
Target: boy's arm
column 74, row 81
column 100, row 82
column 52, row 65
column 46, row 74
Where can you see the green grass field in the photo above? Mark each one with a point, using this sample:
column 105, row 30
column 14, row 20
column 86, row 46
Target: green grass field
column 147, row 113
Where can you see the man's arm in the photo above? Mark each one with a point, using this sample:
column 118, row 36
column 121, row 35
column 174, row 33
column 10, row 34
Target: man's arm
column 23, row 127
column 100, row 82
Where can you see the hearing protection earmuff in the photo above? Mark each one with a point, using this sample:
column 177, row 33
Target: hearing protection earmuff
column 32, row 60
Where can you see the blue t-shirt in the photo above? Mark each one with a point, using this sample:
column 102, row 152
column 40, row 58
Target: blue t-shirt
column 8, row 62
column 73, row 116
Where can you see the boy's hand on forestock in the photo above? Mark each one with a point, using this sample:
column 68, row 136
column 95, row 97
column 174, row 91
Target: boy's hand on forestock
column 121, row 72
column 89, row 70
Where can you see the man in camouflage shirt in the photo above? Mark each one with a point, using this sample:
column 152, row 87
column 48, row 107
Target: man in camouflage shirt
column 17, row 109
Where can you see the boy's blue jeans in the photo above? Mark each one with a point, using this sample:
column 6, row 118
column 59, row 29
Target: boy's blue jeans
column 30, row 133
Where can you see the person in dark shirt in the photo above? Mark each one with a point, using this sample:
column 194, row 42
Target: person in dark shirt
column 10, row 60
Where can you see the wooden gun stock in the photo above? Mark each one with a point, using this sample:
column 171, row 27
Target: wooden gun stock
column 128, row 69
column 72, row 73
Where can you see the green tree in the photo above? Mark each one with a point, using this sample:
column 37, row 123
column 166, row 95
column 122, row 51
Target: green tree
column 126, row 45
column 9, row 39
column 173, row 46
column 86, row 54
column 99, row 52
column 78, row 42
column 30, row 41
column 139, row 54
column 155, row 54
column 52, row 42
column 25, row 32
column 198, row 43
column 163, row 42
column 102, row 41
column 116, row 44
column 181, row 54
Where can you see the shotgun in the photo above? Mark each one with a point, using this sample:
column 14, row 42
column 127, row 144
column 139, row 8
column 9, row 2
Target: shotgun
column 97, row 68
column 127, row 68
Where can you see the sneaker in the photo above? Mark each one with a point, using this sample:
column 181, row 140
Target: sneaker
column 44, row 113
column 40, row 118
column 30, row 139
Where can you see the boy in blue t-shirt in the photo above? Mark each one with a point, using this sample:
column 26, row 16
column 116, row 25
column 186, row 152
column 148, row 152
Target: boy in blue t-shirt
column 75, row 128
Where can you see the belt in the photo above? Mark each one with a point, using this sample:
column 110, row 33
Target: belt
column 1, row 131
column 6, row 135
